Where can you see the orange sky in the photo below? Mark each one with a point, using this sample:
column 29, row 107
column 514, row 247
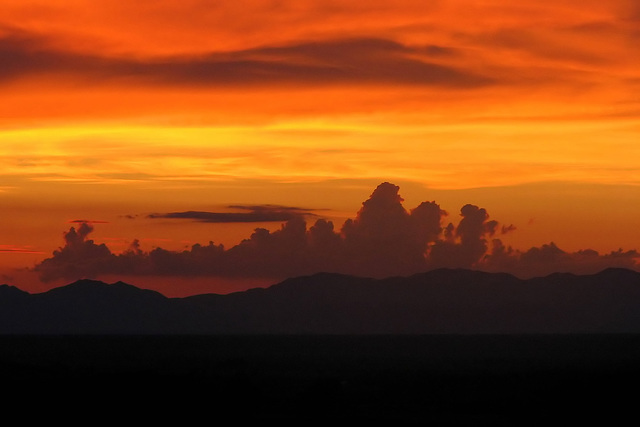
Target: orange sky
column 113, row 109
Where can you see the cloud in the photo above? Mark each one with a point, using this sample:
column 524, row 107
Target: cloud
column 509, row 228
column 383, row 239
column 543, row 43
column 257, row 213
column 24, row 55
column 465, row 244
column 88, row 221
column 549, row 258
column 354, row 61
column 80, row 257
column 19, row 249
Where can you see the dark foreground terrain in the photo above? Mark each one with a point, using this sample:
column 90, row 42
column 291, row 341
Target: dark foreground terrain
column 437, row 380
column 441, row 301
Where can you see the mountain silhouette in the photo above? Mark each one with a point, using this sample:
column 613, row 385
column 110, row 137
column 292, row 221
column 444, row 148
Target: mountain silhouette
column 444, row 301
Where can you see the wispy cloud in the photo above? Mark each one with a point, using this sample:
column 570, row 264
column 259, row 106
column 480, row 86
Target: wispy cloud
column 344, row 61
column 256, row 213
column 19, row 249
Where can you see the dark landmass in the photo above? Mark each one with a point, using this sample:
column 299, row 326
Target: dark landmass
column 448, row 347
column 434, row 379
column 437, row 302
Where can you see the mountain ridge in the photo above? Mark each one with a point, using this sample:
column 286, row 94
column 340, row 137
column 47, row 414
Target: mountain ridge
column 442, row 301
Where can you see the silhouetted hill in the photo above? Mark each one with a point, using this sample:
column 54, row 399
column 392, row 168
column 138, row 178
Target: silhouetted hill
column 436, row 302
column 7, row 291
column 85, row 306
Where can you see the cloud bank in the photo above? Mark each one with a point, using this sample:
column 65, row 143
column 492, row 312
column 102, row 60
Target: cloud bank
column 384, row 239
column 340, row 61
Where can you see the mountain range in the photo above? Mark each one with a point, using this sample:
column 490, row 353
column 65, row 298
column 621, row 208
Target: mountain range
column 444, row 301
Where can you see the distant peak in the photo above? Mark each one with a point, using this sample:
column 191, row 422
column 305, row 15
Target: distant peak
column 617, row 271
column 11, row 290
column 87, row 282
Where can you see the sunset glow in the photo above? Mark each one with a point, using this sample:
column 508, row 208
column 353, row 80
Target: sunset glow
column 116, row 111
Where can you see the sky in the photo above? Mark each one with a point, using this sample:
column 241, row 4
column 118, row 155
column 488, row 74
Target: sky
column 140, row 128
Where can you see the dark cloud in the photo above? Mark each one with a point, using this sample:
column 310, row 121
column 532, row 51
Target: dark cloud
column 435, row 50
column 508, row 228
column 549, row 258
column 257, row 213
column 346, row 61
column 23, row 54
column 87, row 221
column 80, row 257
column 17, row 54
column 465, row 244
column 384, row 239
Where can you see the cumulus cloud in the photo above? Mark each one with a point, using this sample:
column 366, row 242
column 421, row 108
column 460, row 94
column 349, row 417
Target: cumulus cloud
column 383, row 239
column 79, row 257
column 549, row 258
column 465, row 244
